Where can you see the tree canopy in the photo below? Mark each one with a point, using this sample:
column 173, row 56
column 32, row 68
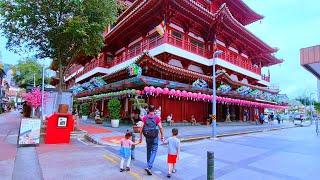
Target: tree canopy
column 59, row 29
column 25, row 71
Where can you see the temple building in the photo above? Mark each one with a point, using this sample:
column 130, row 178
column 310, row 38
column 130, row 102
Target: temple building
column 161, row 52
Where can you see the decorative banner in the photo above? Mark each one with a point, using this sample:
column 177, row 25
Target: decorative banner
column 224, row 88
column 200, row 83
column 98, row 82
column 77, row 89
column 255, row 93
column 29, row 133
column 243, row 90
column 134, row 70
column 88, row 86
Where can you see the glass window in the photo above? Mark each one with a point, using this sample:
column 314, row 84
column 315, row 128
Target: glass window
column 177, row 34
column 196, row 43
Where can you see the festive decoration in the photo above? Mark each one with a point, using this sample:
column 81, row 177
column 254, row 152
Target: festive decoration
column 34, row 97
column 88, row 86
column 172, row 93
column 243, row 90
column 134, row 70
column 77, row 89
column 224, row 88
column 200, row 83
column 98, row 82
column 255, row 93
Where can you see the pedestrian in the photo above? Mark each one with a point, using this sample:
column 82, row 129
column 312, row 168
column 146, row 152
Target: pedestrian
column 143, row 112
column 158, row 112
column 271, row 118
column 150, row 130
column 278, row 118
column 173, row 151
column 125, row 151
column 261, row 118
column 193, row 120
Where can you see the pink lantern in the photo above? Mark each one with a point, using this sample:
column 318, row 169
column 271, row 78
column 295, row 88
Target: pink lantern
column 194, row 95
column 152, row 89
column 184, row 94
column 159, row 90
column 138, row 92
column 172, row 92
column 178, row 93
column 147, row 89
column 165, row 91
column 189, row 95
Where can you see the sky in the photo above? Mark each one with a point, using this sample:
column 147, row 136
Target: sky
column 288, row 25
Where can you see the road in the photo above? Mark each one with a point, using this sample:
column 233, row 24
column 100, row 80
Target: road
column 285, row 154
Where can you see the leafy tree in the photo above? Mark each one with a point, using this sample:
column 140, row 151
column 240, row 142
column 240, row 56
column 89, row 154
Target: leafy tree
column 62, row 30
column 317, row 106
column 26, row 71
column 304, row 100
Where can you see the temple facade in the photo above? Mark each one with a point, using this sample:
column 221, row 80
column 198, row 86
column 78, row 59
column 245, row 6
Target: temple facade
column 161, row 52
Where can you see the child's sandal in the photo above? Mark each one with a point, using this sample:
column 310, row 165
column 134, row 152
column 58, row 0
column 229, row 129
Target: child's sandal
column 127, row 169
column 121, row 170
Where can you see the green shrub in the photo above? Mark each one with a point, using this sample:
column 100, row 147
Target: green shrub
column 114, row 107
column 85, row 109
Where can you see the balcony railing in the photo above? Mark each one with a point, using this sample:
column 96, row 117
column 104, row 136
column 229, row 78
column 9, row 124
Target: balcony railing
column 93, row 64
column 148, row 44
column 239, row 60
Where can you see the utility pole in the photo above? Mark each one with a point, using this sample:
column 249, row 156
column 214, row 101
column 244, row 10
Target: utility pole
column 214, row 99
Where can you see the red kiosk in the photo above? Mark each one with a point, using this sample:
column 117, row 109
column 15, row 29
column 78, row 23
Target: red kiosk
column 59, row 127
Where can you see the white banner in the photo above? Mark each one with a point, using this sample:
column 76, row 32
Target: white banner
column 29, row 132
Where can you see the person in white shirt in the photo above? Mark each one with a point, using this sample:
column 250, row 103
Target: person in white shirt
column 170, row 120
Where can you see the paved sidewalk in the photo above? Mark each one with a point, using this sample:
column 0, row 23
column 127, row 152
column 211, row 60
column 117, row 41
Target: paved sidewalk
column 106, row 135
column 9, row 127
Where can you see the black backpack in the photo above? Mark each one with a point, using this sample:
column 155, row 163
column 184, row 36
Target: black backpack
column 150, row 128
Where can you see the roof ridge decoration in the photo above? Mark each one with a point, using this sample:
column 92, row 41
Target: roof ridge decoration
column 225, row 12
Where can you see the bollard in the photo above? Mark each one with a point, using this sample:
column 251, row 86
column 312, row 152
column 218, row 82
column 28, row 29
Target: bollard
column 133, row 146
column 210, row 165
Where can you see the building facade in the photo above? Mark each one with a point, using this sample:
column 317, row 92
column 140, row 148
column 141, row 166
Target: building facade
column 161, row 52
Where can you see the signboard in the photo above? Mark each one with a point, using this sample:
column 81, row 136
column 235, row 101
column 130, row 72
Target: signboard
column 62, row 121
column 29, row 133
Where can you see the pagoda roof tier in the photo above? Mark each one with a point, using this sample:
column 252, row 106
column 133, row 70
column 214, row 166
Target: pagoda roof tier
column 241, row 11
column 145, row 60
column 143, row 15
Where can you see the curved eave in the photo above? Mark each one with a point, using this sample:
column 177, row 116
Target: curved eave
column 130, row 14
column 233, row 25
column 250, row 15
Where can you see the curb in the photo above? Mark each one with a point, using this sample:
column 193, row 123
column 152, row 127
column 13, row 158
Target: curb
column 90, row 139
column 232, row 134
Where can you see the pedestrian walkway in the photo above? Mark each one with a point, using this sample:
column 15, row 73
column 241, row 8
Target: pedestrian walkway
column 106, row 135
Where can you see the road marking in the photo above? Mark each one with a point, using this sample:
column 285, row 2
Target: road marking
column 110, row 159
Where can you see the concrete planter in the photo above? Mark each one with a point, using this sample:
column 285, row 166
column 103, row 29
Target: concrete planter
column 115, row 123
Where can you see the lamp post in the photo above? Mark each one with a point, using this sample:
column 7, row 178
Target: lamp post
column 310, row 107
column 42, row 93
column 214, row 100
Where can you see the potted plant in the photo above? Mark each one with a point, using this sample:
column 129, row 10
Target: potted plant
column 85, row 111
column 114, row 107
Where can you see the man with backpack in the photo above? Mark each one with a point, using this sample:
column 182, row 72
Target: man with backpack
column 150, row 130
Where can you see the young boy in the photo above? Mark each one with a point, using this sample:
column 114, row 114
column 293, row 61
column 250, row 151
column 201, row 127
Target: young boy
column 173, row 151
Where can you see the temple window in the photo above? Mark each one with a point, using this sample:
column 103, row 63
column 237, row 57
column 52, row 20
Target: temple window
column 176, row 34
column 196, row 43
column 176, row 63
column 195, row 68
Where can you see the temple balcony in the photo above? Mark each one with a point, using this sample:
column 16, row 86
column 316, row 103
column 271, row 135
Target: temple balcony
column 173, row 45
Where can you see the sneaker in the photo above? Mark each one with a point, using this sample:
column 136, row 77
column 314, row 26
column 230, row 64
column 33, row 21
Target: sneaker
column 121, row 170
column 148, row 171
column 127, row 169
column 169, row 176
column 174, row 170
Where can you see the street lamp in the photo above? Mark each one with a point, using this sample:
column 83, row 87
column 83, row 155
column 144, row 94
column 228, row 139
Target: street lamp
column 42, row 93
column 214, row 100
column 310, row 107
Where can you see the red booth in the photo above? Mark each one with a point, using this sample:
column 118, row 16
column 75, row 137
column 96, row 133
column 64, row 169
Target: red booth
column 59, row 127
